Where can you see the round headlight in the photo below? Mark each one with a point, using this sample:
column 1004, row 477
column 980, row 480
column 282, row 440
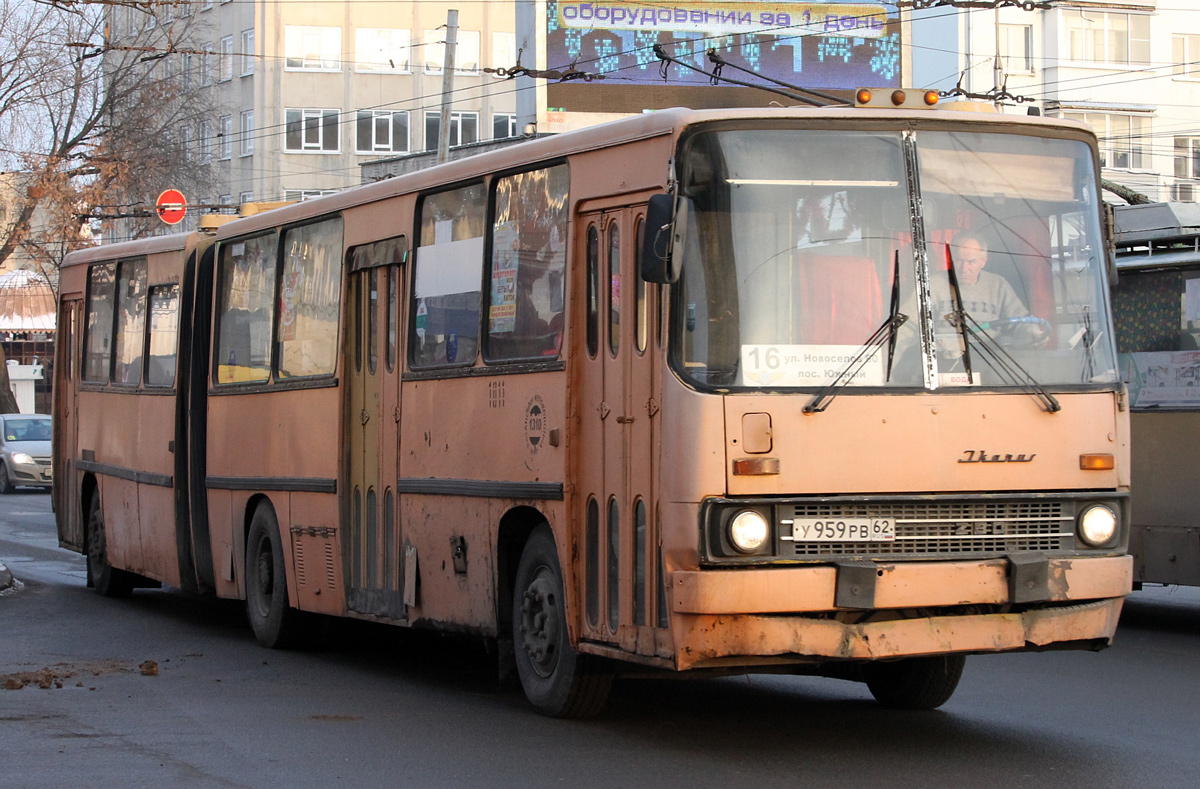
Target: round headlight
column 1097, row 525
column 748, row 531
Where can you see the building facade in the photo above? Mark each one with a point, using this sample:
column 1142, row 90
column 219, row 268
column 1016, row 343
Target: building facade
column 1131, row 70
column 303, row 92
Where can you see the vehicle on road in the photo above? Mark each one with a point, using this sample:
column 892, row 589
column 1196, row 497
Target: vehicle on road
column 695, row 391
column 25, row 451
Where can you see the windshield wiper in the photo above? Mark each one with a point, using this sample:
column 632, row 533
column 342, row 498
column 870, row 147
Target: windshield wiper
column 1009, row 370
column 885, row 333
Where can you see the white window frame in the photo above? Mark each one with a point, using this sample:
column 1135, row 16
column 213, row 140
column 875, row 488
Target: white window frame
column 456, row 119
column 225, row 137
column 1185, row 55
column 512, row 125
column 504, row 52
column 225, row 59
column 382, row 50
column 204, row 141
column 206, row 70
column 1019, row 60
column 307, row 113
column 372, row 117
column 1100, row 22
column 466, row 52
column 245, row 197
column 248, row 54
column 206, row 5
column 1116, row 136
column 246, row 147
column 300, row 195
column 296, row 40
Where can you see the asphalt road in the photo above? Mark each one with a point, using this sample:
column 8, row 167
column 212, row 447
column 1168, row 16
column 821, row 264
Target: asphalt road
column 385, row 707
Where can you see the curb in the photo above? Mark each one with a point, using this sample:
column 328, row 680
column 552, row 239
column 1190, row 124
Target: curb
column 6, row 578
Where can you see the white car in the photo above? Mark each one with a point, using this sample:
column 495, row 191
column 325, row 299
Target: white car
column 25, row 451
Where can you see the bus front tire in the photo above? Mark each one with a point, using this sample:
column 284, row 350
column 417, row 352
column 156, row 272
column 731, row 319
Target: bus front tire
column 276, row 625
column 924, row 683
column 107, row 580
column 557, row 680
column 6, row 485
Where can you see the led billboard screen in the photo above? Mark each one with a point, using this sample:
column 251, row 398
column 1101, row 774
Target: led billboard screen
column 817, row 45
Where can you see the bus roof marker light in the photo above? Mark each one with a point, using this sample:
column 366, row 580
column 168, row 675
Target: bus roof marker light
column 863, row 96
column 931, row 98
column 898, row 97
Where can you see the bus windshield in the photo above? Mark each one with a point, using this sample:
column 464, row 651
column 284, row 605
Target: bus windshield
column 803, row 265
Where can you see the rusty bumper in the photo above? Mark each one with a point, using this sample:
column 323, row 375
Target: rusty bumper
column 742, row 616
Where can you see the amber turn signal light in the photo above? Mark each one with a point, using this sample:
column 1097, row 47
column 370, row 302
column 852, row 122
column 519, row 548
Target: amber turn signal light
column 863, row 96
column 1100, row 462
column 931, row 97
column 898, row 97
column 755, row 467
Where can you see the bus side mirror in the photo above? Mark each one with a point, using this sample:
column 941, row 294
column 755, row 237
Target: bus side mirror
column 662, row 245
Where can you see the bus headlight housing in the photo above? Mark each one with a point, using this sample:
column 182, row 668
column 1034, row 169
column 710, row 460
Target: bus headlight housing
column 1097, row 525
column 748, row 531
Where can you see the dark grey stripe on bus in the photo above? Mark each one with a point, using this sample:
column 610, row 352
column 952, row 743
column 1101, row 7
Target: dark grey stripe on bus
column 297, row 484
column 144, row 477
column 552, row 491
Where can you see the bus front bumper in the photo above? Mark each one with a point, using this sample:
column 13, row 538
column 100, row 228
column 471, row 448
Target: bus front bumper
column 757, row 616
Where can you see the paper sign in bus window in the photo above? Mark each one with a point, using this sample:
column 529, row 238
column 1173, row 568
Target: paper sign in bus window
column 808, row 365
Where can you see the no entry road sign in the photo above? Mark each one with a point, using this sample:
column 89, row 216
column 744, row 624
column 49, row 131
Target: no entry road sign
column 172, row 206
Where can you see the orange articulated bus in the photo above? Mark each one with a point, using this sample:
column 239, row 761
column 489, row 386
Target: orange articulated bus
column 816, row 391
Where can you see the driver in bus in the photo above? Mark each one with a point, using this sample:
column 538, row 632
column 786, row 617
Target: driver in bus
column 986, row 297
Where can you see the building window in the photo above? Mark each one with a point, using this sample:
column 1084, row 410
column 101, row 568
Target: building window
column 247, row 52
column 466, row 52
column 206, row 132
column 299, row 195
column 225, row 137
column 312, row 48
column 504, row 51
column 311, row 131
column 205, row 5
column 1106, row 37
column 382, row 50
column 245, row 197
column 1187, row 157
column 1185, row 54
column 1183, row 192
column 206, row 70
column 464, row 128
column 189, row 68
column 1123, row 139
column 247, row 146
column 226, row 58
column 381, row 131
column 185, row 141
column 1016, row 47
column 504, row 125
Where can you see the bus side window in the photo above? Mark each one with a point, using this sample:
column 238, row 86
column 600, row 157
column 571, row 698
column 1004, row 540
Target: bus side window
column 101, row 292
column 164, row 335
column 310, row 293
column 529, row 258
column 448, row 278
column 131, row 322
column 245, row 299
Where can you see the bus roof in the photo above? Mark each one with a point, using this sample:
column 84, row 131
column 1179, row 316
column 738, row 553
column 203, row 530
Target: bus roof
column 648, row 125
column 143, row 246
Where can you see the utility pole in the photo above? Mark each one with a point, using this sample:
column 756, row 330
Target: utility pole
column 447, row 85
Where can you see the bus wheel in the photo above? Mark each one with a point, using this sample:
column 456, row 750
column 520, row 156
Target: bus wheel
column 558, row 680
column 915, row 683
column 102, row 576
column 275, row 624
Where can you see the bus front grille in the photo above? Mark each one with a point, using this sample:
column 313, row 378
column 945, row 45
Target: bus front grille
column 942, row 528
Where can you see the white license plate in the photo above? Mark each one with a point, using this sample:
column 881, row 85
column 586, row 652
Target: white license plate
column 843, row 529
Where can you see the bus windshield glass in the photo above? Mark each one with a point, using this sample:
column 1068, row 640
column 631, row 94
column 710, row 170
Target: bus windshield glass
column 800, row 267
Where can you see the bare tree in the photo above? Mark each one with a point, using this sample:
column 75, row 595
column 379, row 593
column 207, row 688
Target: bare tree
column 95, row 100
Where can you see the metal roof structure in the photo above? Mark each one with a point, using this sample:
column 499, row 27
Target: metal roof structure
column 27, row 302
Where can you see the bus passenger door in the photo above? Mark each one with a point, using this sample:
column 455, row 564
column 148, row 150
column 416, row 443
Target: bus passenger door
column 373, row 571
column 619, row 417
column 66, row 387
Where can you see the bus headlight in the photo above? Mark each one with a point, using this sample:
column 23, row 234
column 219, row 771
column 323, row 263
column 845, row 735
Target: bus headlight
column 748, row 531
column 1097, row 525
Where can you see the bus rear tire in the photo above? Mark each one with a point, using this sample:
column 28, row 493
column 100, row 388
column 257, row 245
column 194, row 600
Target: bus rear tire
column 915, row 683
column 107, row 580
column 557, row 680
column 275, row 623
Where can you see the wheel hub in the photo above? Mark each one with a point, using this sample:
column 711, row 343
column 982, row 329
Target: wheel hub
column 540, row 624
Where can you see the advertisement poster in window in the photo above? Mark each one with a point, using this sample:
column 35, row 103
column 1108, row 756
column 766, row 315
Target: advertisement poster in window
column 1163, row 379
column 506, row 242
